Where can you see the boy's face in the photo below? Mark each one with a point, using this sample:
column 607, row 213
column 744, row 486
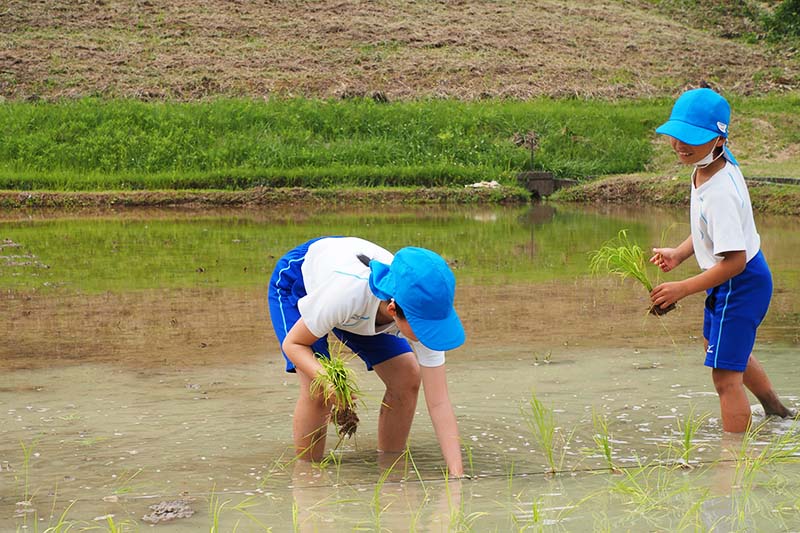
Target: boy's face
column 689, row 154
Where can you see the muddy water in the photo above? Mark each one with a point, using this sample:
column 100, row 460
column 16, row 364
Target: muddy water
column 139, row 368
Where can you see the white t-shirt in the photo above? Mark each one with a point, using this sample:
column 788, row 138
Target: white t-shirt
column 722, row 218
column 338, row 294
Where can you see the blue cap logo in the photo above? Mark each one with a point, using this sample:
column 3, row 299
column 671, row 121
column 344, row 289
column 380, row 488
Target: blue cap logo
column 422, row 284
column 698, row 116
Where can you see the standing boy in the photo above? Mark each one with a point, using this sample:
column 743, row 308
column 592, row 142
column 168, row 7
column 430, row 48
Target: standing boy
column 727, row 247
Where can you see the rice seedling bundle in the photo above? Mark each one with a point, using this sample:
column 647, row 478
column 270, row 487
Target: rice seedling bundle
column 623, row 258
column 336, row 376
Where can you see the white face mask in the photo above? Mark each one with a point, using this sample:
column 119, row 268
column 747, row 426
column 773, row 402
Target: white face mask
column 707, row 160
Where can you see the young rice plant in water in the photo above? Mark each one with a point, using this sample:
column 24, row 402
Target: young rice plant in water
column 625, row 259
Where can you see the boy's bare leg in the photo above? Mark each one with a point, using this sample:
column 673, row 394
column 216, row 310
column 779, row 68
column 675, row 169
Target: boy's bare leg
column 310, row 423
column 759, row 384
column 402, row 379
column 733, row 402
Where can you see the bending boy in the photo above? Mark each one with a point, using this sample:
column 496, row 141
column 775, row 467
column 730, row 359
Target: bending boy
column 379, row 306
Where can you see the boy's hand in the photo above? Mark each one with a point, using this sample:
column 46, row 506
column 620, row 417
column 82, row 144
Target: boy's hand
column 668, row 293
column 665, row 258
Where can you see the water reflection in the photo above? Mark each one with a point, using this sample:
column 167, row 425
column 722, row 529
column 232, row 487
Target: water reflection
column 145, row 349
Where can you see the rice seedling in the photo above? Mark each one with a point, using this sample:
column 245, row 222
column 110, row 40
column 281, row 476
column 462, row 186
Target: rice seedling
column 779, row 449
column 215, row 509
column 244, row 508
column 545, row 358
column 124, row 483
column 692, row 519
column 468, row 453
column 552, row 440
column 27, row 453
column 688, row 431
column 295, row 517
column 460, row 520
column 602, row 440
column 645, row 488
column 377, row 507
column 536, row 517
column 510, row 477
column 621, row 257
column 334, row 458
column 112, row 526
column 336, row 379
column 63, row 525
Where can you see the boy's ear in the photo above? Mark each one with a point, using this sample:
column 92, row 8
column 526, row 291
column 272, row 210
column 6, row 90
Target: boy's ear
column 720, row 141
column 391, row 309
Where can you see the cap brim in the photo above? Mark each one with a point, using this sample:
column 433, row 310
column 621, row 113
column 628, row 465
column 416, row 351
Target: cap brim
column 444, row 334
column 687, row 133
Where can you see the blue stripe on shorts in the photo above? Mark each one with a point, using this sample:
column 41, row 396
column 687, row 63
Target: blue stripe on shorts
column 733, row 312
column 286, row 287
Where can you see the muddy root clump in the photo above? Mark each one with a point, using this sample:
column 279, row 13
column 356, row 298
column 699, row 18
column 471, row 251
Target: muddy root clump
column 659, row 311
column 347, row 421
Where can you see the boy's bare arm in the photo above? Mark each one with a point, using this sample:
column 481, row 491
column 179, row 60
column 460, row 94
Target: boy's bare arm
column 434, row 385
column 297, row 347
column 732, row 264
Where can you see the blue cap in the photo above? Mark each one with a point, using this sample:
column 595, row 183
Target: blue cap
column 698, row 116
column 424, row 287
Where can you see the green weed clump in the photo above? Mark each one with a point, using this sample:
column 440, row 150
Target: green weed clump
column 621, row 257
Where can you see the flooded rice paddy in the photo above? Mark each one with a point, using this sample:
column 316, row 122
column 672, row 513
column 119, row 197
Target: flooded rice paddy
column 141, row 381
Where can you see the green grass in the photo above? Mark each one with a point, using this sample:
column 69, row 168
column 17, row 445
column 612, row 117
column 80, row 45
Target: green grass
column 123, row 144
column 95, row 144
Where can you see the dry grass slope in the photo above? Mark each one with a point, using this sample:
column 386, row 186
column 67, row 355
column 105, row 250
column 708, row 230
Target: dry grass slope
column 189, row 49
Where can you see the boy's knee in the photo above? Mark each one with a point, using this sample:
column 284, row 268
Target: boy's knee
column 408, row 386
column 727, row 381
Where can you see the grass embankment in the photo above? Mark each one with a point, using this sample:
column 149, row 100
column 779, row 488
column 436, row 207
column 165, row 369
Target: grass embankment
column 93, row 145
column 674, row 191
column 91, row 152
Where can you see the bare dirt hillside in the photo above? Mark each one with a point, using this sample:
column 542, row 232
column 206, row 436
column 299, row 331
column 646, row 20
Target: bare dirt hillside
column 188, row 49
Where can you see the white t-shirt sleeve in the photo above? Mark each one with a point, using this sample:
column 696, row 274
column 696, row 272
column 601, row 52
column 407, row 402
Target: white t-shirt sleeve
column 426, row 356
column 725, row 225
column 326, row 308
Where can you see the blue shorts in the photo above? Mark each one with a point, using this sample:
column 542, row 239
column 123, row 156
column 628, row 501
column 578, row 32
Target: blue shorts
column 734, row 310
column 286, row 287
